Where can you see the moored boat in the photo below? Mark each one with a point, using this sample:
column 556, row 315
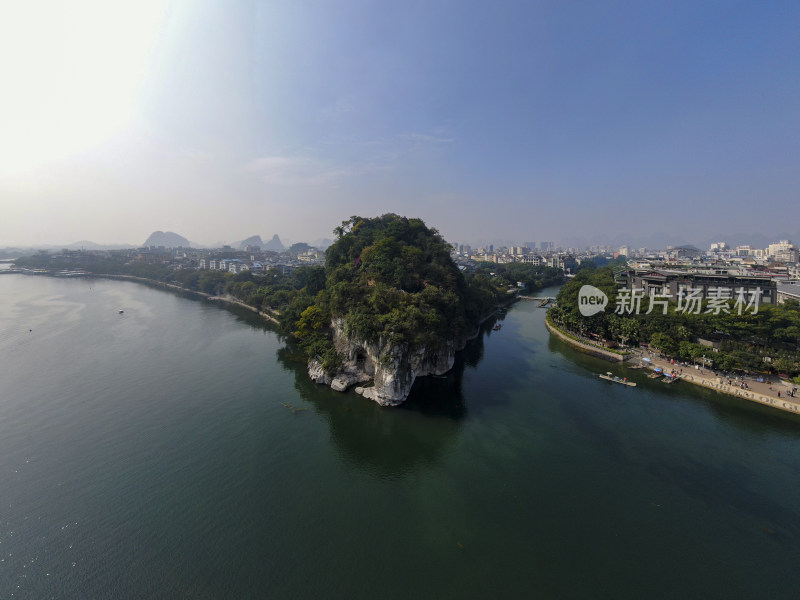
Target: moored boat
column 623, row 380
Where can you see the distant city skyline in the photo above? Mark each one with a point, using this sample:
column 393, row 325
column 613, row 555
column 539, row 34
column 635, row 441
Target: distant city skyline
column 595, row 124
column 757, row 241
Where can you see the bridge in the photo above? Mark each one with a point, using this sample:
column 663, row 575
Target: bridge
column 543, row 300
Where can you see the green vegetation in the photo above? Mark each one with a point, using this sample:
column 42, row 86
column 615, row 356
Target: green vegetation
column 393, row 277
column 583, row 341
column 766, row 341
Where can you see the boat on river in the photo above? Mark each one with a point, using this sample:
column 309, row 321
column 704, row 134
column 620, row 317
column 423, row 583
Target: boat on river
column 623, row 380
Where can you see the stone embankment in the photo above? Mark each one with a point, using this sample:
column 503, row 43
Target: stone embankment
column 718, row 383
column 763, row 393
column 584, row 346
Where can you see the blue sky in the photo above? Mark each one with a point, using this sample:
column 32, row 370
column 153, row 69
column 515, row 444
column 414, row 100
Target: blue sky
column 503, row 121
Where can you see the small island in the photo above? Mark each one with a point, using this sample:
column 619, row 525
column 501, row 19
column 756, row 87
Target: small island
column 394, row 307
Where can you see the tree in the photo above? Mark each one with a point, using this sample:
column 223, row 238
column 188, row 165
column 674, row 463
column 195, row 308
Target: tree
column 313, row 321
column 664, row 343
column 785, row 365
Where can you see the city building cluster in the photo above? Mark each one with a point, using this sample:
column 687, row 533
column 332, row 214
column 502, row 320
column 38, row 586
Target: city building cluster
column 775, row 269
column 546, row 255
column 251, row 258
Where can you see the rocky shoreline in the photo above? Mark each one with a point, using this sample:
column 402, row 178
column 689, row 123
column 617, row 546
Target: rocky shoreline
column 392, row 369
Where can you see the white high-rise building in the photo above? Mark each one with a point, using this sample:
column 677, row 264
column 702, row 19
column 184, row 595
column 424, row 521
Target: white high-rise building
column 783, row 251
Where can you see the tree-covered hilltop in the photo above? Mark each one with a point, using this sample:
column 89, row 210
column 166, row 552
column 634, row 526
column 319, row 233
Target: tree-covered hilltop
column 745, row 341
column 392, row 277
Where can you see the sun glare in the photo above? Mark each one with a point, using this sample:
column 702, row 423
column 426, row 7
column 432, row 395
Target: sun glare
column 71, row 75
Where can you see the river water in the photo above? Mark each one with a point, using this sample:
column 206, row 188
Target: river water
column 177, row 450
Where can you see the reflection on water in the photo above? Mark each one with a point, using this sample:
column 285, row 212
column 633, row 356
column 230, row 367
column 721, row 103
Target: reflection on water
column 388, row 442
column 151, row 454
column 397, row 441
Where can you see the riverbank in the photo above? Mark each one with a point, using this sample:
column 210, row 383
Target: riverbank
column 761, row 392
column 773, row 395
column 584, row 346
column 227, row 298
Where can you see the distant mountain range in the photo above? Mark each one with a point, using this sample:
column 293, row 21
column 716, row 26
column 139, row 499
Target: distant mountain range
column 253, row 240
column 658, row 240
column 168, row 239
column 274, row 245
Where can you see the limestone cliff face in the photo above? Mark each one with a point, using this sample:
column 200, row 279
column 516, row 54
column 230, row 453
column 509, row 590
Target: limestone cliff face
column 392, row 368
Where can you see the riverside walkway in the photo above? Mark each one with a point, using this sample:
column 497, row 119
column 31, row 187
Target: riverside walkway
column 771, row 392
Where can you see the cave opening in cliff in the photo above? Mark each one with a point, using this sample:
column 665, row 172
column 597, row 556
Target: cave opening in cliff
column 364, row 363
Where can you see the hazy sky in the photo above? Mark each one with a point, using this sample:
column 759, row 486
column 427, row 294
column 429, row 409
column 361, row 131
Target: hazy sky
column 522, row 121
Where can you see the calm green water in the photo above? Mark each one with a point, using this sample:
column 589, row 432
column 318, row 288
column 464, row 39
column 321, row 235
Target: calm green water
column 149, row 455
